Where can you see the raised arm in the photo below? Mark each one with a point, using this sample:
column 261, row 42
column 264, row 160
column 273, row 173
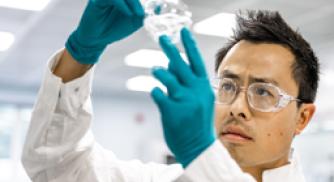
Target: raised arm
column 69, row 69
column 59, row 145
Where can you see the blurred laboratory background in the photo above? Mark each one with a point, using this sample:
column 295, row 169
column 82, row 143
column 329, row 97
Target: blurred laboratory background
column 126, row 120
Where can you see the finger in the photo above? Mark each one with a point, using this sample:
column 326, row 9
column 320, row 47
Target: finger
column 168, row 80
column 120, row 5
column 176, row 63
column 136, row 7
column 138, row 22
column 194, row 56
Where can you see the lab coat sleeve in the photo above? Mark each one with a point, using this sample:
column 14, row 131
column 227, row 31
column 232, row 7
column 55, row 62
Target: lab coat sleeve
column 60, row 146
column 214, row 164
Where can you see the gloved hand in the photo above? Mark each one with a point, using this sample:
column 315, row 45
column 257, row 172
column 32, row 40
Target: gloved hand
column 103, row 22
column 187, row 110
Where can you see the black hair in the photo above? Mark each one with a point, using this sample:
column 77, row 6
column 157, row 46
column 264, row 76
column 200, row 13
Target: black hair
column 263, row 26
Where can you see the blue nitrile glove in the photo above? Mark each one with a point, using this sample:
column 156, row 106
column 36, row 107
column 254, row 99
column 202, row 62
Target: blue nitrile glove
column 103, row 22
column 187, row 111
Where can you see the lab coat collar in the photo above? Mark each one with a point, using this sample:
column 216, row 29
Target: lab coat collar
column 291, row 172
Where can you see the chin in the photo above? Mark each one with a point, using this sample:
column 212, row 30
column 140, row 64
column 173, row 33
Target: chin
column 239, row 154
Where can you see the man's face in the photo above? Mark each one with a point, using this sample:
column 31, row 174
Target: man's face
column 269, row 134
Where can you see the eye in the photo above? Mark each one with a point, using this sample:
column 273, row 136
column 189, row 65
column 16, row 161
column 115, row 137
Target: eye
column 261, row 91
column 227, row 87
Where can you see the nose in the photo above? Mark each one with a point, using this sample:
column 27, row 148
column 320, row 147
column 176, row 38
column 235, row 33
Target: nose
column 240, row 107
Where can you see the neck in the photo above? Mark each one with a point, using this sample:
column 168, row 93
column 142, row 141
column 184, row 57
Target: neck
column 257, row 171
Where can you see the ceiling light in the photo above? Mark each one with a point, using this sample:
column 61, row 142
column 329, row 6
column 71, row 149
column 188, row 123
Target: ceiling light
column 221, row 25
column 148, row 58
column 143, row 84
column 31, row 5
column 6, row 40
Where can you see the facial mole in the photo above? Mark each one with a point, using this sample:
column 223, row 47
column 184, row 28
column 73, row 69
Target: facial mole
column 281, row 133
column 268, row 134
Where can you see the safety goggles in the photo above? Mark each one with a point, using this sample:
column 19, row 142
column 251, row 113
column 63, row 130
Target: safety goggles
column 264, row 97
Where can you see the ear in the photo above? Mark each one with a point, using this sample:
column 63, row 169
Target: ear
column 305, row 114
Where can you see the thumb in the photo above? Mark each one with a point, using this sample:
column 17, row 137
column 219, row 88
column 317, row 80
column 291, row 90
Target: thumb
column 159, row 98
column 163, row 103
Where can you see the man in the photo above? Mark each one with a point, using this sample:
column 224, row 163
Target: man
column 267, row 82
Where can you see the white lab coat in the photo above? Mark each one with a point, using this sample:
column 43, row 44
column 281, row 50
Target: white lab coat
column 60, row 146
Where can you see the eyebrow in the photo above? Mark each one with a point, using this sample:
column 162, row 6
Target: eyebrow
column 263, row 80
column 230, row 74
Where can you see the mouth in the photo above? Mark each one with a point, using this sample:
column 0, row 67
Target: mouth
column 234, row 134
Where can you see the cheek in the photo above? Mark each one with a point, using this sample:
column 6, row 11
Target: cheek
column 276, row 139
column 220, row 115
column 277, row 134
